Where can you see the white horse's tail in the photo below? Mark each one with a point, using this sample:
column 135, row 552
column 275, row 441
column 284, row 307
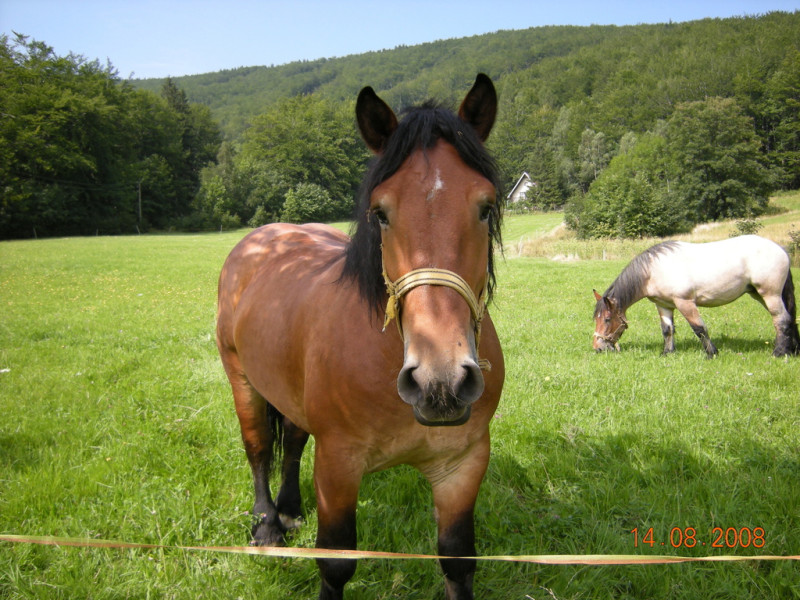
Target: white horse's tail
column 791, row 307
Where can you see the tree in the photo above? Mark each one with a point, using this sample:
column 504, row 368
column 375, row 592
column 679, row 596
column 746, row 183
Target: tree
column 593, row 156
column 304, row 140
column 239, row 189
column 78, row 147
column 198, row 141
column 76, row 144
column 703, row 164
column 632, row 197
column 67, row 152
column 536, row 140
column 782, row 108
column 718, row 160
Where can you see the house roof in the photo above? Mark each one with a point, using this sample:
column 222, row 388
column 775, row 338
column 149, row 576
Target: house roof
column 522, row 179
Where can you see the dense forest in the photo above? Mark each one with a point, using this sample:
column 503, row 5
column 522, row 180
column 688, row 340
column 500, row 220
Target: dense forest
column 83, row 153
column 636, row 130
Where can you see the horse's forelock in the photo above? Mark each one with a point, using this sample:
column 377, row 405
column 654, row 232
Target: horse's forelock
column 420, row 128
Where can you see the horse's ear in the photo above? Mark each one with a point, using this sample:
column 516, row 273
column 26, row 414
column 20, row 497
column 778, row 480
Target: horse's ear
column 597, row 296
column 376, row 121
column 479, row 107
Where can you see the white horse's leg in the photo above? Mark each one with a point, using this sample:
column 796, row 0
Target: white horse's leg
column 689, row 310
column 783, row 322
column 667, row 328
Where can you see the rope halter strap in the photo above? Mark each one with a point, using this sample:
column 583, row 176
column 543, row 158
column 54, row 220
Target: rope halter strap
column 442, row 277
column 613, row 337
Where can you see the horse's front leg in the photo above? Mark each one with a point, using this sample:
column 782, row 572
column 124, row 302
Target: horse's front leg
column 454, row 496
column 336, row 480
column 689, row 310
column 667, row 328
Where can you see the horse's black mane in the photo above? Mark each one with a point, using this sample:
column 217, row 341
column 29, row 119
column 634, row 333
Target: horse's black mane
column 626, row 288
column 420, row 128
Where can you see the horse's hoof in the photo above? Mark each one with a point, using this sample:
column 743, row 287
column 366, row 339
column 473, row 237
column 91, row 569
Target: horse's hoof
column 269, row 540
column 267, row 534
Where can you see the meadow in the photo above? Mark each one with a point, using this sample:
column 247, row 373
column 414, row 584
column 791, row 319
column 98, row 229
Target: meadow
column 116, row 422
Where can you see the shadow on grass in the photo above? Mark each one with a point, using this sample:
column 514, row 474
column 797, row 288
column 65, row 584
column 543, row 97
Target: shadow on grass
column 588, row 495
column 21, row 450
column 724, row 343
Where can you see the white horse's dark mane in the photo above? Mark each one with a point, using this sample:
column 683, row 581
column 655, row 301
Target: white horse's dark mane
column 627, row 287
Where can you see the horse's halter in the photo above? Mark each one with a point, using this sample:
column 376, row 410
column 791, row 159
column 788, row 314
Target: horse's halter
column 613, row 337
column 405, row 283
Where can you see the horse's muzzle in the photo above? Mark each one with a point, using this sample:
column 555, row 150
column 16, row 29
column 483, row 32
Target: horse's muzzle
column 604, row 346
column 440, row 399
column 604, row 343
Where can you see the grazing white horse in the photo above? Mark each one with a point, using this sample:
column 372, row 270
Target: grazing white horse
column 683, row 275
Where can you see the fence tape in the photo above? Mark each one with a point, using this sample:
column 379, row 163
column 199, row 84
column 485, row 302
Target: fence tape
column 544, row 559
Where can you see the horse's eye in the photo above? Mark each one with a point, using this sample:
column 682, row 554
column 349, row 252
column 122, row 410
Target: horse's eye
column 486, row 211
column 383, row 220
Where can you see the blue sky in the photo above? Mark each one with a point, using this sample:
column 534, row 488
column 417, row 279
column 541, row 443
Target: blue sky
column 157, row 38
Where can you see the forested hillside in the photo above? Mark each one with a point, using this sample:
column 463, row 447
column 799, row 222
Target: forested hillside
column 631, row 75
column 636, row 130
column 572, row 100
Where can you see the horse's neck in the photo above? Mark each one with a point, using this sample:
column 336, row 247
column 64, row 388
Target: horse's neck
column 621, row 304
column 626, row 295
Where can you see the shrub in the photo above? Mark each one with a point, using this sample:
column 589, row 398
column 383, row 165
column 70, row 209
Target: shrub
column 746, row 226
column 307, row 203
column 794, row 246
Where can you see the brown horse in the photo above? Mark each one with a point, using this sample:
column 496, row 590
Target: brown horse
column 301, row 330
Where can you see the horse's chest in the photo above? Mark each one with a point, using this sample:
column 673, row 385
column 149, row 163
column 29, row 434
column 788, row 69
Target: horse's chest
column 436, row 451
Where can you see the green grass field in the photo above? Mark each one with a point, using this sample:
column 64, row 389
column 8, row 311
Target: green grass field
column 116, row 422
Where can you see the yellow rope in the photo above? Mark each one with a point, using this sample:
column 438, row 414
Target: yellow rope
column 550, row 559
column 442, row 277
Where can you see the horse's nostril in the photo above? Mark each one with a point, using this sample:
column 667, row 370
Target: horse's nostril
column 407, row 385
column 471, row 386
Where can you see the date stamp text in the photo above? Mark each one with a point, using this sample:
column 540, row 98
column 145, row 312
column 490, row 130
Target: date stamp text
column 689, row 537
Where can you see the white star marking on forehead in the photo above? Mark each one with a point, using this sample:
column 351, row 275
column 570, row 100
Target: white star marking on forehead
column 438, row 185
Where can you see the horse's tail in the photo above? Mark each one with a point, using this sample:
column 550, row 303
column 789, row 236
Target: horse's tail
column 276, row 427
column 791, row 307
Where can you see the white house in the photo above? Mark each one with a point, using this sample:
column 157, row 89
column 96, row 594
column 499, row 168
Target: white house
column 518, row 192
